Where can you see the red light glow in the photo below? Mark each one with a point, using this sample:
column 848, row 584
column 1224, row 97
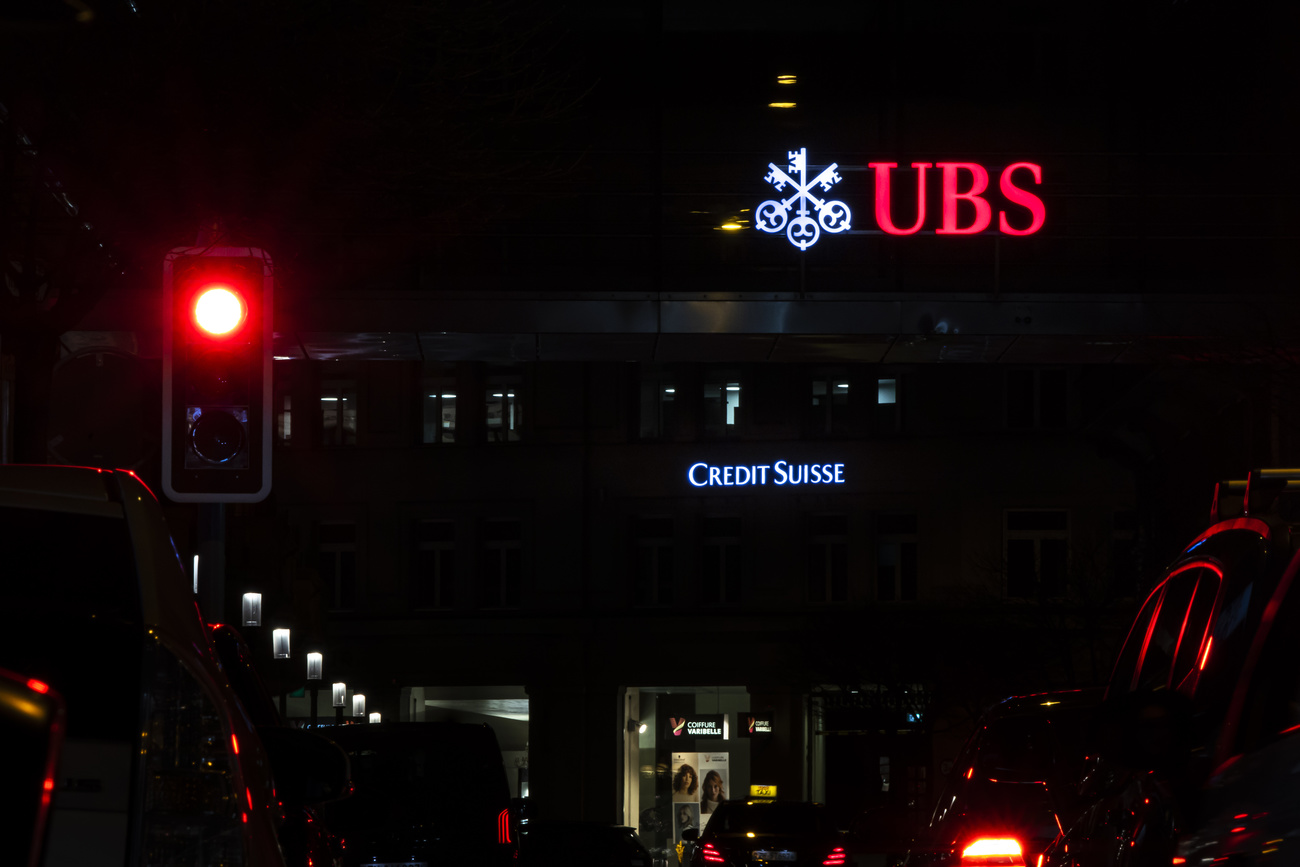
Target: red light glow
column 219, row 309
column 37, row 686
column 234, row 743
column 1017, row 196
column 836, row 858
column 883, row 216
column 979, row 183
column 991, row 851
column 712, row 855
column 503, row 827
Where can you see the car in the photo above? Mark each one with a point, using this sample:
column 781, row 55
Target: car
column 1178, row 707
column 309, row 769
column 559, row 843
column 159, row 760
column 1012, row 782
column 424, row 793
column 788, row 833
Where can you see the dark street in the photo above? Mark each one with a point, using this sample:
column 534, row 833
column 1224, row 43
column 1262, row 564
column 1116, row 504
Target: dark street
column 649, row 435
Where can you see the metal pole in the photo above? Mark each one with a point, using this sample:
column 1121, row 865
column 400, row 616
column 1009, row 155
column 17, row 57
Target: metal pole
column 313, row 707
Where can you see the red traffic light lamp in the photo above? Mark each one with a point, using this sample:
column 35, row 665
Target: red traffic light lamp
column 217, row 374
column 219, row 310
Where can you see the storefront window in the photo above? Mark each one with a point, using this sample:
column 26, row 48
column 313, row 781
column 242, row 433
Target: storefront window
column 693, row 756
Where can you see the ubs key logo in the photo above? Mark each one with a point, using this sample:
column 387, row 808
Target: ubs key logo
column 802, row 230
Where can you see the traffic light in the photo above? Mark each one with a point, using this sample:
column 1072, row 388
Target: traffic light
column 217, row 374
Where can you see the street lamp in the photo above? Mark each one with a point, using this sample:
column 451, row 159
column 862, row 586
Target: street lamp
column 252, row 608
column 315, row 661
column 340, row 697
column 358, row 704
column 374, row 717
column 280, row 647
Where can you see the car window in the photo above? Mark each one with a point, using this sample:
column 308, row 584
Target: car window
column 1162, row 642
column 1126, row 666
column 764, row 819
column 1016, row 749
column 1195, row 632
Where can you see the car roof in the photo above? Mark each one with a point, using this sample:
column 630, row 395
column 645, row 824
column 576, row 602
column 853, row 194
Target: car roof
column 1047, row 703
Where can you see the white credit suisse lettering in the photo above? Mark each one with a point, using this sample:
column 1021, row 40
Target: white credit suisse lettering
column 702, row 475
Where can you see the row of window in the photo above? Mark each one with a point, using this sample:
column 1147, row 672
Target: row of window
column 835, row 406
column 1035, row 561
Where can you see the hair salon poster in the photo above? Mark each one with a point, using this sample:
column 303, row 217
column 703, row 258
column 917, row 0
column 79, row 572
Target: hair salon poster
column 700, row 783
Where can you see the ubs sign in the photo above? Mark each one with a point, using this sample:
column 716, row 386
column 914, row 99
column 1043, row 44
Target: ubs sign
column 959, row 182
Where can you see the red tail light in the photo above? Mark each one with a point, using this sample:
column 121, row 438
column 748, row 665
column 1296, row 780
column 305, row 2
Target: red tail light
column 993, row 852
column 712, row 855
column 836, row 858
column 503, row 826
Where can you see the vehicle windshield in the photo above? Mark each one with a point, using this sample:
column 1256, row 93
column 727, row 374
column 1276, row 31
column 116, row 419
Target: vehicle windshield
column 422, row 770
column 71, row 616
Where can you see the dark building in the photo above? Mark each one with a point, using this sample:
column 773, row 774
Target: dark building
column 616, row 456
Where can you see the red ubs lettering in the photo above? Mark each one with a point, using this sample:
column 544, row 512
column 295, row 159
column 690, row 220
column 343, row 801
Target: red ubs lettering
column 963, row 182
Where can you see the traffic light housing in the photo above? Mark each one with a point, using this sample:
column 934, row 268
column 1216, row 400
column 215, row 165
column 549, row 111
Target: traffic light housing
column 217, row 374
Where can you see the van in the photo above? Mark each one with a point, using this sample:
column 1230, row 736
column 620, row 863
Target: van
column 159, row 764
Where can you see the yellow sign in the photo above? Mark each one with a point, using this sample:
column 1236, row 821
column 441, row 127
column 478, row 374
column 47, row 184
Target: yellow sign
column 762, row 791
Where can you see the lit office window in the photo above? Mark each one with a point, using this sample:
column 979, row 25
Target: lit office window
column 886, row 418
column 1036, row 553
column 433, row 578
column 720, row 561
column 653, row 555
column 336, row 560
column 896, row 548
column 721, row 406
column 828, row 558
column 504, row 412
column 439, row 414
column 500, row 570
column 338, row 407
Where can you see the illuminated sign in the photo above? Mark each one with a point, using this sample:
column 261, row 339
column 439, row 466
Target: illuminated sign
column 749, row 724
column 697, row 726
column 762, row 791
column 959, row 182
column 803, row 231
column 702, row 475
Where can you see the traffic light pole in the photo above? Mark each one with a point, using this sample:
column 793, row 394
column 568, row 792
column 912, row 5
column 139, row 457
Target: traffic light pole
column 212, row 561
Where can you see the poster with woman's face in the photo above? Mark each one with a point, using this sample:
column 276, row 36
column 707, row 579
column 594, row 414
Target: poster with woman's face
column 686, row 777
column 713, row 781
column 685, row 816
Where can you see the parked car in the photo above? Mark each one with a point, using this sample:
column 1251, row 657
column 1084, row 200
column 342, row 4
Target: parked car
column 1012, row 782
column 160, row 762
column 1180, row 712
column 425, row 793
column 791, row 833
column 556, row 843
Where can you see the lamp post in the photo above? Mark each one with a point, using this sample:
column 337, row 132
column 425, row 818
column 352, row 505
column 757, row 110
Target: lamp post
column 358, row 704
column 340, row 696
column 280, row 646
column 375, row 717
column 315, row 661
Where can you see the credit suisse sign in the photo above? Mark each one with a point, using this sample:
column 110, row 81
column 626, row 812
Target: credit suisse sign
column 703, row 475
column 805, row 213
